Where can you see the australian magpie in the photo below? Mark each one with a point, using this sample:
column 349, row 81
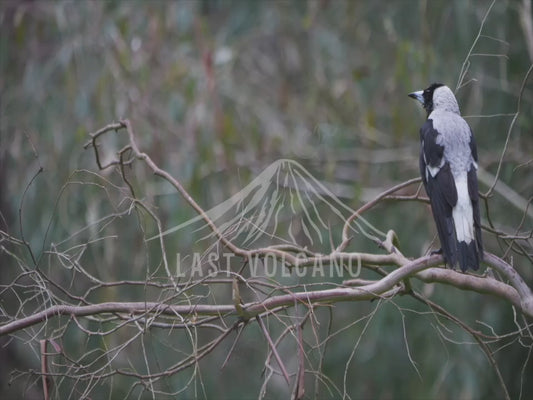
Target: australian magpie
column 448, row 165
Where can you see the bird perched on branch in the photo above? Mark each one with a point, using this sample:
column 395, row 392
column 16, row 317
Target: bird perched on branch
column 448, row 165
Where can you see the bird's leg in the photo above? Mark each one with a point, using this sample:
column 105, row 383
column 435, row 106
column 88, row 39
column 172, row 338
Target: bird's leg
column 439, row 251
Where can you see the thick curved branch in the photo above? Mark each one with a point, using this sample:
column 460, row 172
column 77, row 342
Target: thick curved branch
column 131, row 308
column 519, row 295
column 526, row 296
column 482, row 285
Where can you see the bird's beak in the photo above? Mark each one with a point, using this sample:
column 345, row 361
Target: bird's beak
column 418, row 96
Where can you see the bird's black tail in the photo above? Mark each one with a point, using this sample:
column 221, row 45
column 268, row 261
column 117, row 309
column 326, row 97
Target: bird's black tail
column 469, row 255
column 455, row 252
column 443, row 200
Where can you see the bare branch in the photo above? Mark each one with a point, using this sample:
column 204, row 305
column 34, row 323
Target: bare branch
column 519, row 295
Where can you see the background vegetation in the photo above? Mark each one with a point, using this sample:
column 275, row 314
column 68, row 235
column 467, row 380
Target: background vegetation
column 216, row 91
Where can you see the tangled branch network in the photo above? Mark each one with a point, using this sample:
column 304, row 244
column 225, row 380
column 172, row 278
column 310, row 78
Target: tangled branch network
column 515, row 290
column 222, row 302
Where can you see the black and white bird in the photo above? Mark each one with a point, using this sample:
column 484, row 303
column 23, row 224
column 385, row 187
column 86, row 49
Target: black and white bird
column 448, row 165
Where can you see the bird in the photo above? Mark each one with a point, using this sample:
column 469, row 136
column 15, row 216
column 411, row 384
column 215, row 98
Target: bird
column 448, row 166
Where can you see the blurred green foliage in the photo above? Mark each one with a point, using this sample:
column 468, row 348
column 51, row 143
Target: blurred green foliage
column 217, row 91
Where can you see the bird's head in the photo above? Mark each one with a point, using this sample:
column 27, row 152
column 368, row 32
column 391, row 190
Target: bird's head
column 436, row 97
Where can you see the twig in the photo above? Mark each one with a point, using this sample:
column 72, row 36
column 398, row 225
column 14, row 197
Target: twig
column 368, row 206
column 273, row 349
column 474, row 334
column 511, row 126
column 299, row 390
column 466, row 63
column 44, row 369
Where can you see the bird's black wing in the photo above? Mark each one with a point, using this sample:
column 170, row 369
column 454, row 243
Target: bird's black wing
column 430, row 153
column 474, row 196
column 473, row 146
column 440, row 187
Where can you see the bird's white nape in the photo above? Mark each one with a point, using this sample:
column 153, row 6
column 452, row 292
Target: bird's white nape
column 444, row 99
